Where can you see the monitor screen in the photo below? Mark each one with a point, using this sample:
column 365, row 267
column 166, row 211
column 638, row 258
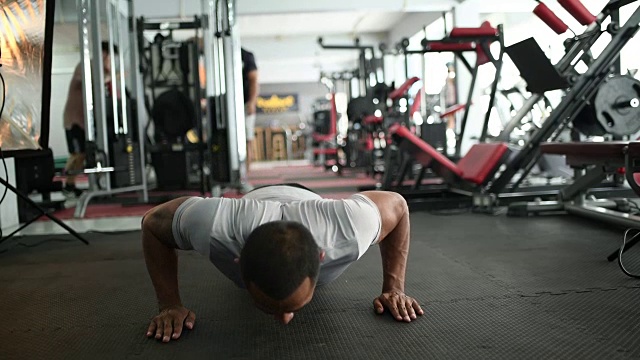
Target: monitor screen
column 26, row 32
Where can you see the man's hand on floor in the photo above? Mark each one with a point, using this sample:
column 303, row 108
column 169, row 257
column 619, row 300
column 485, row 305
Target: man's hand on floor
column 169, row 323
column 401, row 306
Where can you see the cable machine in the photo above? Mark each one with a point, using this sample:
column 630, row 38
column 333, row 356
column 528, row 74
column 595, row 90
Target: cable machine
column 170, row 70
column 115, row 144
column 225, row 123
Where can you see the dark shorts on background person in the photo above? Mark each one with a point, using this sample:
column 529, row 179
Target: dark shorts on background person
column 75, row 140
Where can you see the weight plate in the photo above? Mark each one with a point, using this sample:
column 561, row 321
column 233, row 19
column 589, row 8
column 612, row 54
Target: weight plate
column 617, row 105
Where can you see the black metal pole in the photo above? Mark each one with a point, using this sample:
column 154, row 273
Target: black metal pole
column 615, row 18
column 494, row 86
column 467, row 106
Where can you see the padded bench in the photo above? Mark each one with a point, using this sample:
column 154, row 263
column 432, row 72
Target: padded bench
column 476, row 167
column 611, row 156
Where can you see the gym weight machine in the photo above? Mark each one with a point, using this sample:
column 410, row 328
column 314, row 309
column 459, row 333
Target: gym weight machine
column 170, row 70
column 492, row 188
column 112, row 151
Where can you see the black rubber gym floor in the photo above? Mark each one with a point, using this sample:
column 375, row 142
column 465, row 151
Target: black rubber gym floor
column 492, row 287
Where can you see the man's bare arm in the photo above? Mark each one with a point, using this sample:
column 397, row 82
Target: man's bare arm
column 160, row 256
column 254, row 87
column 394, row 250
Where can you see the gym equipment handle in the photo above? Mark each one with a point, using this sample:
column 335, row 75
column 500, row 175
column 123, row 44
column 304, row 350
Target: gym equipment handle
column 550, row 18
column 578, row 11
column 633, row 103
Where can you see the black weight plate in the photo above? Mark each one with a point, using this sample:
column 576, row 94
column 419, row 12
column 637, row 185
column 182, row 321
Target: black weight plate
column 617, row 105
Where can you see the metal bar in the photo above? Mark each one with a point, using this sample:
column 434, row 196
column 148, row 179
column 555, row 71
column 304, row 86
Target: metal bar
column 494, row 86
column 233, row 66
column 138, row 86
column 112, row 60
column 344, row 47
column 123, row 82
column 581, row 184
column 198, row 108
column 84, row 22
column 86, row 197
column 102, row 136
column 171, row 25
column 465, row 62
column 605, row 215
column 84, row 7
column 362, row 73
column 210, row 26
column 423, row 170
column 517, row 118
column 467, row 106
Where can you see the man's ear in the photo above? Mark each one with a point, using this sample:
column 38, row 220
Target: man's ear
column 236, row 260
column 321, row 255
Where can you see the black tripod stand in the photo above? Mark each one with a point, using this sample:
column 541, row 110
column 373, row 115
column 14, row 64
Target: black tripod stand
column 42, row 212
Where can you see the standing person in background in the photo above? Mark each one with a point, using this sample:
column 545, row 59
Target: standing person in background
column 250, row 89
column 74, row 122
column 450, row 97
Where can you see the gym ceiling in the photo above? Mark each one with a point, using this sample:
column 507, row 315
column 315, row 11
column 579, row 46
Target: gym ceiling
column 283, row 33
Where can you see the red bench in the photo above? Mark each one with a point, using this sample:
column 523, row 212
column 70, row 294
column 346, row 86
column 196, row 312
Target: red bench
column 476, row 167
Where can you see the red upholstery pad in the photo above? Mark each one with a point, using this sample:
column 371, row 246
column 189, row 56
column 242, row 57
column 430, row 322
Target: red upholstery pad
column 578, row 11
column 452, row 47
column 397, row 93
column 584, row 153
column 483, row 31
column 453, row 109
column 595, row 150
column 550, row 18
column 423, row 152
column 611, row 153
column 372, row 119
column 481, row 161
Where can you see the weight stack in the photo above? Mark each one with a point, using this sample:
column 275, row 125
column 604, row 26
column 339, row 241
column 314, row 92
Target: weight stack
column 125, row 155
column 170, row 164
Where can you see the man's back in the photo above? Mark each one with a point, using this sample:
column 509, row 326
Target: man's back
column 74, row 107
column 218, row 227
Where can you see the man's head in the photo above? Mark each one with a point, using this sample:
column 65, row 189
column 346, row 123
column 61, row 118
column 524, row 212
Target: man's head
column 280, row 263
column 106, row 56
